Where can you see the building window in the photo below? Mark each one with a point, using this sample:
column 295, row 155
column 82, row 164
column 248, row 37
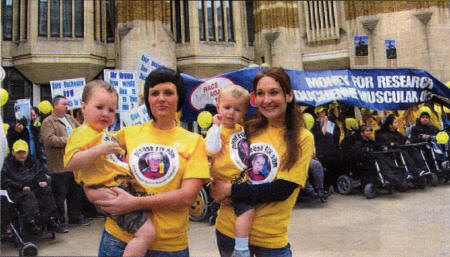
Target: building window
column 180, row 20
column 321, row 20
column 250, row 22
column 42, row 22
column 7, row 19
column 110, row 27
column 211, row 21
column 51, row 11
column 201, row 20
column 217, row 17
column 186, row 20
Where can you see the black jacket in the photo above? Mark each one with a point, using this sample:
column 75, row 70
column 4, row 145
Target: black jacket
column 16, row 175
column 418, row 130
column 325, row 144
column 388, row 138
column 12, row 136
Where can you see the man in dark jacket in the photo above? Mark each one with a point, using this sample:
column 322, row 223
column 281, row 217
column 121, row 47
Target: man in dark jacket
column 25, row 180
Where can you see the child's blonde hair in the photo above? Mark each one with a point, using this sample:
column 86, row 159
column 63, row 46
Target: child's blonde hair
column 91, row 85
column 236, row 91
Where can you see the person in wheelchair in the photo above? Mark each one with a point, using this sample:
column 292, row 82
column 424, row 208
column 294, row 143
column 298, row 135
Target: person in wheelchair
column 388, row 138
column 364, row 149
column 25, row 180
column 424, row 131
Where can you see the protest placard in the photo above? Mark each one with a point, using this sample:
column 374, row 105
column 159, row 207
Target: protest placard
column 136, row 116
column 72, row 89
column 22, row 109
column 126, row 85
column 146, row 64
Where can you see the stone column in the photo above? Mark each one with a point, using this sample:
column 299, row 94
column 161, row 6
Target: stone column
column 424, row 17
column 143, row 26
column 370, row 23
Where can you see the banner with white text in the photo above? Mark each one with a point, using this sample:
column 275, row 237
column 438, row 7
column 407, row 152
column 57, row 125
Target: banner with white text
column 377, row 89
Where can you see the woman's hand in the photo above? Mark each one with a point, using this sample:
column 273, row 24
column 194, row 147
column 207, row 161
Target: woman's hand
column 121, row 204
column 220, row 190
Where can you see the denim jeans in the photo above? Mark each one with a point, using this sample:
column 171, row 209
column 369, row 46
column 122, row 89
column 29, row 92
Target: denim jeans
column 226, row 247
column 111, row 246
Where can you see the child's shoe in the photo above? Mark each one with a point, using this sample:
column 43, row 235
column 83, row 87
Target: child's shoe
column 240, row 253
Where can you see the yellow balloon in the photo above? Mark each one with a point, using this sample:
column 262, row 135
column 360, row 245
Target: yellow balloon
column 45, row 107
column 351, row 123
column 318, row 110
column 309, row 120
column 5, row 127
column 448, row 83
column 204, row 119
column 442, row 137
column 3, row 96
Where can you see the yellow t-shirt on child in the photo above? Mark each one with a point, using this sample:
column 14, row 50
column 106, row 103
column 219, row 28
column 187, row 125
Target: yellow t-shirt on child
column 232, row 158
column 104, row 170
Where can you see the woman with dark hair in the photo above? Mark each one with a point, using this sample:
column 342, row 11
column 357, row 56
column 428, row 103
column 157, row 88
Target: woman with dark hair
column 388, row 138
column 278, row 131
column 170, row 196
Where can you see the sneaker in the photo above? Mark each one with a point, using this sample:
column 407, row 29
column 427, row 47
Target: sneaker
column 240, row 253
column 409, row 177
column 80, row 222
column 62, row 228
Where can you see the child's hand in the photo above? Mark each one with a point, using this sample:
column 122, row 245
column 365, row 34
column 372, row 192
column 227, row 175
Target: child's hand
column 217, row 119
column 110, row 147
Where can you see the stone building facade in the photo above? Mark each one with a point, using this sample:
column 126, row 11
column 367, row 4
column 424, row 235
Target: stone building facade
column 45, row 40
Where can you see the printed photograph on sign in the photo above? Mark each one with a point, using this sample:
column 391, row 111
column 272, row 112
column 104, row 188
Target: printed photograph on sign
column 154, row 165
column 22, row 111
column 361, row 46
column 207, row 92
column 391, row 49
column 259, row 167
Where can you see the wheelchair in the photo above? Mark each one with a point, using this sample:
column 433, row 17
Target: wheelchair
column 204, row 207
column 436, row 158
column 13, row 228
column 365, row 174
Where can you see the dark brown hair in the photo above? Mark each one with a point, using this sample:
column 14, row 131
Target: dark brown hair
column 293, row 117
column 91, row 85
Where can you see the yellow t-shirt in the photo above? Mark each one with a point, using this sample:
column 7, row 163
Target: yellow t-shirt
column 271, row 222
column 102, row 170
column 232, row 158
column 177, row 154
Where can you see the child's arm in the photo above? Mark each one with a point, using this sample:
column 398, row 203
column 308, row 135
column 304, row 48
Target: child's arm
column 213, row 142
column 84, row 158
column 102, row 193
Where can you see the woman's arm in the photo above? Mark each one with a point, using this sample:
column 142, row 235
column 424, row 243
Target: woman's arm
column 278, row 190
column 125, row 202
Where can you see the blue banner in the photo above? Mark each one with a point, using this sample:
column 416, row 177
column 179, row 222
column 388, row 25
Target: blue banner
column 377, row 89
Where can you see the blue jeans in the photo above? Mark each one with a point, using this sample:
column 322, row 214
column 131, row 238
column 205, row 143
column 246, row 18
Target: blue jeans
column 226, row 248
column 111, row 246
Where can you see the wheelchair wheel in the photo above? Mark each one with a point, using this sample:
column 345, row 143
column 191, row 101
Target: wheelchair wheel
column 199, row 208
column 28, row 249
column 370, row 191
column 344, row 184
column 402, row 187
column 212, row 220
column 432, row 179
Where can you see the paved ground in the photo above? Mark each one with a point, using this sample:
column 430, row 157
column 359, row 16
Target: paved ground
column 416, row 223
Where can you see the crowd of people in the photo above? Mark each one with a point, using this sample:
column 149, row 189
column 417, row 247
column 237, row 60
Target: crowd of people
column 145, row 177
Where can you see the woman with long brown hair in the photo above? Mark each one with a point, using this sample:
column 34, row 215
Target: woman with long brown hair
column 278, row 132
